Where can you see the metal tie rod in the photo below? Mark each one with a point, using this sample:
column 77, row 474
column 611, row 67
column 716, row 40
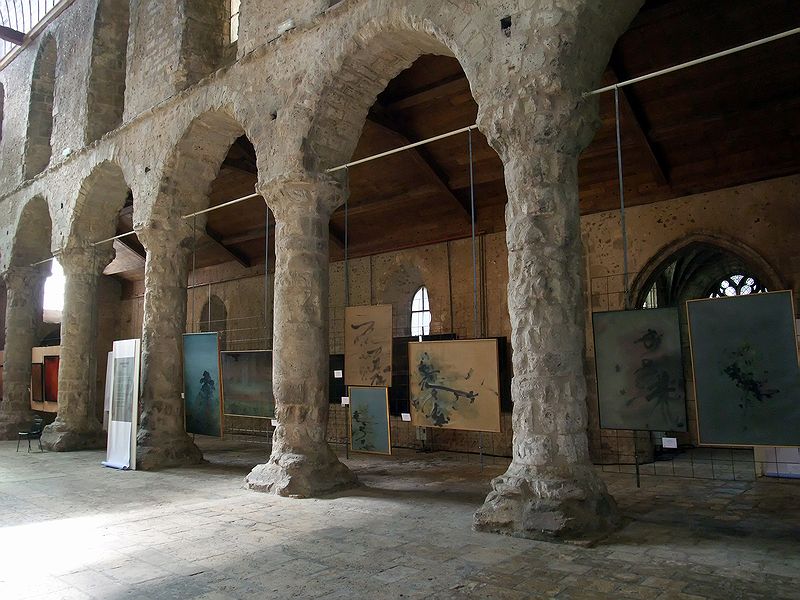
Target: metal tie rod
column 401, row 149
column 696, row 61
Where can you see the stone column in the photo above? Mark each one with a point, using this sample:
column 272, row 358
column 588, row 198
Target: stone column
column 551, row 488
column 76, row 427
column 162, row 439
column 23, row 316
column 301, row 464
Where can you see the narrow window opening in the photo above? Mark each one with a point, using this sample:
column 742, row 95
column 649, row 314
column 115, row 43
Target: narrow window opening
column 53, row 302
column 421, row 313
column 235, row 9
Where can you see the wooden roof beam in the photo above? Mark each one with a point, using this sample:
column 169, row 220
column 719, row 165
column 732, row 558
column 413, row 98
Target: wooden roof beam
column 629, row 108
column 217, row 239
column 424, row 160
column 11, row 35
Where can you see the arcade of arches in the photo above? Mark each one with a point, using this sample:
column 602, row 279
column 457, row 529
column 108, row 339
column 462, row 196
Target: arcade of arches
column 122, row 123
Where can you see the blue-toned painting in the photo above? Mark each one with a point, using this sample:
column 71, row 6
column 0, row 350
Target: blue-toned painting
column 201, row 384
column 639, row 363
column 369, row 420
column 247, row 381
column 747, row 381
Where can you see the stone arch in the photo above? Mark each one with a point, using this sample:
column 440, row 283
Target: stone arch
column 38, row 149
column 106, row 92
column 101, row 196
column 730, row 252
column 369, row 59
column 193, row 166
column 33, row 234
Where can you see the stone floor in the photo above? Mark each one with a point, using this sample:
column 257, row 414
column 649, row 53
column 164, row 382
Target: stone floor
column 72, row 529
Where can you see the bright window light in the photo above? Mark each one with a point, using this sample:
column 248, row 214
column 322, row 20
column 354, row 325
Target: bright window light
column 235, row 8
column 421, row 313
column 54, row 292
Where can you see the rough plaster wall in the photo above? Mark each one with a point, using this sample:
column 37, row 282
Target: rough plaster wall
column 203, row 41
column 154, row 54
column 759, row 215
column 259, row 19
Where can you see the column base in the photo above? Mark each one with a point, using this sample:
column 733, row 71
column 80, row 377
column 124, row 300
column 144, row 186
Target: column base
column 526, row 503
column 12, row 423
column 153, row 453
column 307, row 475
column 61, row 436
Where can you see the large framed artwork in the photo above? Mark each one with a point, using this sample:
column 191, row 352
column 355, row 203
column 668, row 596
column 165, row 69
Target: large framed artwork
column 369, row 420
column 640, row 383
column 247, row 381
column 368, row 345
column 51, row 378
column 746, row 376
column 202, row 386
column 455, row 384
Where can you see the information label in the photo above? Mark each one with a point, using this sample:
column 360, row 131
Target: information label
column 406, row 416
column 669, row 442
column 345, row 401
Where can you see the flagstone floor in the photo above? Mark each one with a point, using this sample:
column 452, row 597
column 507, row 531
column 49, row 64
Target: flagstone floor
column 71, row 529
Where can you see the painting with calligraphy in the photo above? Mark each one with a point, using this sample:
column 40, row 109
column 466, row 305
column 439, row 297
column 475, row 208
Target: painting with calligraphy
column 455, row 384
column 369, row 420
column 368, row 345
column 746, row 377
column 640, row 382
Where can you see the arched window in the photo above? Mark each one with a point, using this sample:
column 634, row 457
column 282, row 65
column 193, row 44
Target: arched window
column 40, row 113
column 235, row 7
column 737, row 284
column 421, row 313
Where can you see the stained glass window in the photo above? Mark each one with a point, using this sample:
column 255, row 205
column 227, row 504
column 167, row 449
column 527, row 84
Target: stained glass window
column 738, row 284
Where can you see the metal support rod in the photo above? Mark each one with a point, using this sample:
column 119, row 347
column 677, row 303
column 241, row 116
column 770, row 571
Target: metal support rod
column 194, row 262
column 41, row 262
column 223, row 205
column 621, row 201
column 696, row 61
column 401, row 149
column 346, row 249
column 474, row 251
column 636, row 457
column 116, row 237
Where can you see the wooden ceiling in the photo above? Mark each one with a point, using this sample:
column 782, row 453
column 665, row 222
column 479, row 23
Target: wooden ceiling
column 728, row 122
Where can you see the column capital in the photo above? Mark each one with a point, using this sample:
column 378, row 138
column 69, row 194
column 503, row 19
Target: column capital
column 306, row 192
column 27, row 276
column 174, row 234
column 85, row 259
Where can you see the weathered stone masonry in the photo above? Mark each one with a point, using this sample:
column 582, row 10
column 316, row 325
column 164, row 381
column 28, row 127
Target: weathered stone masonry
column 301, row 100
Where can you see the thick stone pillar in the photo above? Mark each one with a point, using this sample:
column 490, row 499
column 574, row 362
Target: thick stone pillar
column 76, row 427
column 162, row 440
column 302, row 464
column 23, row 316
column 551, row 488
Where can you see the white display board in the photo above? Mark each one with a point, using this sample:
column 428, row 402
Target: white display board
column 124, row 407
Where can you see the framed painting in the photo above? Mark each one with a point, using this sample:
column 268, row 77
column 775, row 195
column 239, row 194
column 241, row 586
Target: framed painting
column 202, row 385
column 37, row 383
column 368, row 345
column 247, row 381
column 746, row 376
column 640, row 383
column 455, row 384
column 50, row 378
column 369, row 420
